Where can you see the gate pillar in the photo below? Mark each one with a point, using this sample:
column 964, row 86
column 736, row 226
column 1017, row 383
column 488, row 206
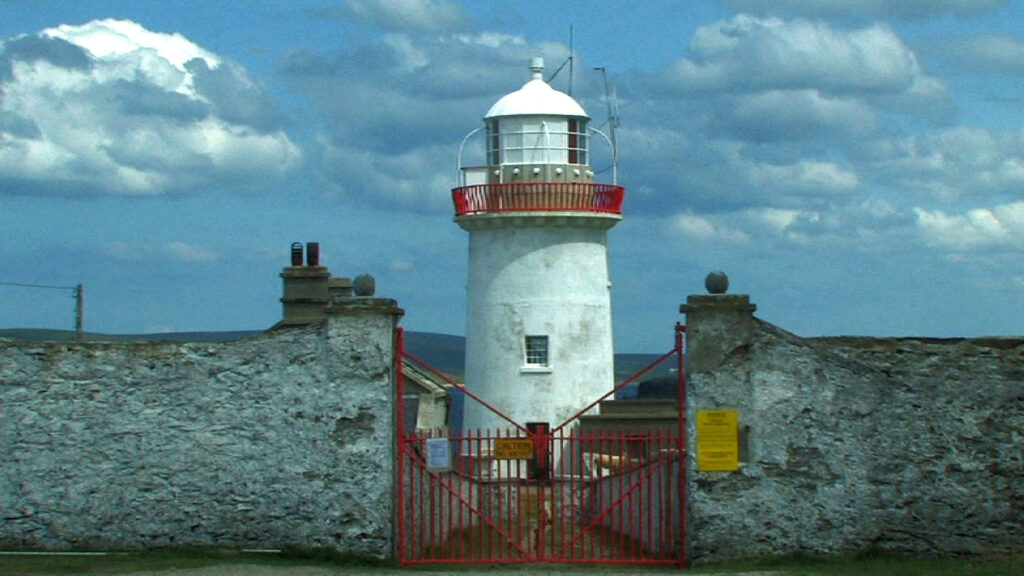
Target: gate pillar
column 719, row 327
column 716, row 324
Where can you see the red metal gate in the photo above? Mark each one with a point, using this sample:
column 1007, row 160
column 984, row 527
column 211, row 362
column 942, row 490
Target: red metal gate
column 530, row 494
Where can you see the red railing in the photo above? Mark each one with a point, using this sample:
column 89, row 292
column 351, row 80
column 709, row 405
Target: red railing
column 538, row 197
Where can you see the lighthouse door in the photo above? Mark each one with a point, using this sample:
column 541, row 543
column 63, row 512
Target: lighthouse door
column 584, row 491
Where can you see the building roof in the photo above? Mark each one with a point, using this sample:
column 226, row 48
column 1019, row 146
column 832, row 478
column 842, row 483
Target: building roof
column 536, row 98
column 423, row 381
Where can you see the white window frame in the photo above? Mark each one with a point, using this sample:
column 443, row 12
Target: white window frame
column 537, row 352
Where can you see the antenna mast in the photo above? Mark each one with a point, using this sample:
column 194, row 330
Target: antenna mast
column 613, row 117
column 568, row 61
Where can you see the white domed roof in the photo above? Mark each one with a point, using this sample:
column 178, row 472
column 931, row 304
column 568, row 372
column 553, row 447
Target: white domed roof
column 536, row 98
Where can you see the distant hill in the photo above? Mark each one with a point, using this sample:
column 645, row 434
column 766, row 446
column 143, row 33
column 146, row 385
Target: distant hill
column 44, row 335
column 444, row 352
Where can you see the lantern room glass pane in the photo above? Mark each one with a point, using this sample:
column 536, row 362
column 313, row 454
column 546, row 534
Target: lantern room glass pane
column 493, row 143
column 577, row 141
column 513, row 156
column 537, row 141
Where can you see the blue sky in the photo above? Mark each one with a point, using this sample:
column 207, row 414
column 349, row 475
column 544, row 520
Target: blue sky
column 856, row 166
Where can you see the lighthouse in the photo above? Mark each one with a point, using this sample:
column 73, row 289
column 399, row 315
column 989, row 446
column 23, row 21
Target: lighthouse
column 539, row 327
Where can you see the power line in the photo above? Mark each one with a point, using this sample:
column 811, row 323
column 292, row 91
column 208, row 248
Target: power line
column 38, row 286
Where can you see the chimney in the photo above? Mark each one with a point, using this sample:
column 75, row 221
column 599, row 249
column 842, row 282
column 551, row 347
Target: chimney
column 305, row 287
column 339, row 288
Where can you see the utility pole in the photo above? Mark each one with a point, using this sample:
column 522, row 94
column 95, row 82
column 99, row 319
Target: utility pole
column 77, row 292
column 79, row 310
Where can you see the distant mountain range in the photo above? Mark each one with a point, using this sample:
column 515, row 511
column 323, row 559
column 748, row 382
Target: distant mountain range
column 444, row 352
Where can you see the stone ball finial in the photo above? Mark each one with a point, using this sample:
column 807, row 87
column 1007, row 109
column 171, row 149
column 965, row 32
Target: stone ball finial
column 717, row 282
column 364, row 285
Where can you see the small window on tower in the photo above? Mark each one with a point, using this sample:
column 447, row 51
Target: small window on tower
column 536, row 350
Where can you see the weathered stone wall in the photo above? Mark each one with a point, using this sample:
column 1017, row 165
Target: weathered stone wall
column 280, row 439
column 847, row 443
column 906, row 444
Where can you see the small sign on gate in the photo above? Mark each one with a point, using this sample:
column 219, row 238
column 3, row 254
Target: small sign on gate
column 513, row 448
column 439, row 454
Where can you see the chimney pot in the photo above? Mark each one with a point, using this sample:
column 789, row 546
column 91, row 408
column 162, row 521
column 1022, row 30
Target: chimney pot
column 313, row 254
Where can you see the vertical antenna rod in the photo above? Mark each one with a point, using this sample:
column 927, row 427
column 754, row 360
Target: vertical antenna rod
column 613, row 118
column 570, row 60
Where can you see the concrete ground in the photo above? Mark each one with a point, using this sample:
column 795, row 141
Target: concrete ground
column 245, row 568
column 547, row 570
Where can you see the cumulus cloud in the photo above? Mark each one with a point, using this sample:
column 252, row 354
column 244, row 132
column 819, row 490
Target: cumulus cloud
column 797, row 131
column 109, row 107
column 395, row 110
column 954, row 164
column 805, row 176
column 172, row 252
column 868, row 228
column 988, row 54
column 909, row 9
column 706, row 229
column 751, row 53
column 822, row 79
column 58, row 52
column 692, row 171
column 409, row 15
column 466, row 68
column 112, row 38
column 417, row 180
column 776, row 115
column 1001, row 227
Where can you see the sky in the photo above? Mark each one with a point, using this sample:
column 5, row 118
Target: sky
column 855, row 166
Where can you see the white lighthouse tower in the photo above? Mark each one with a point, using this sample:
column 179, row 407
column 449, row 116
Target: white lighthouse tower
column 538, row 334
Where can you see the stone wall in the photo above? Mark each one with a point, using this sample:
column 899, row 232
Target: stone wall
column 912, row 445
column 275, row 440
column 287, row 438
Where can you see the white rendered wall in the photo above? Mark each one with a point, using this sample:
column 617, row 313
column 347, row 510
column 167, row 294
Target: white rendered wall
column 549, row 281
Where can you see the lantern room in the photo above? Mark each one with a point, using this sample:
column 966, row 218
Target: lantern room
column 536, row 157
column 537, row 134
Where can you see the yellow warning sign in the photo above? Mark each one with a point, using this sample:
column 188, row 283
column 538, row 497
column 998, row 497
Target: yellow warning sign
column 513, row 448
column 718, row 446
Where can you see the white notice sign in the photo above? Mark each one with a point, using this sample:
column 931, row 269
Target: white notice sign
column 439, row 454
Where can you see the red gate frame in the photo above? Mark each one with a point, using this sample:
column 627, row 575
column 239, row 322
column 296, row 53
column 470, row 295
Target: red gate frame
column 404, row 441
